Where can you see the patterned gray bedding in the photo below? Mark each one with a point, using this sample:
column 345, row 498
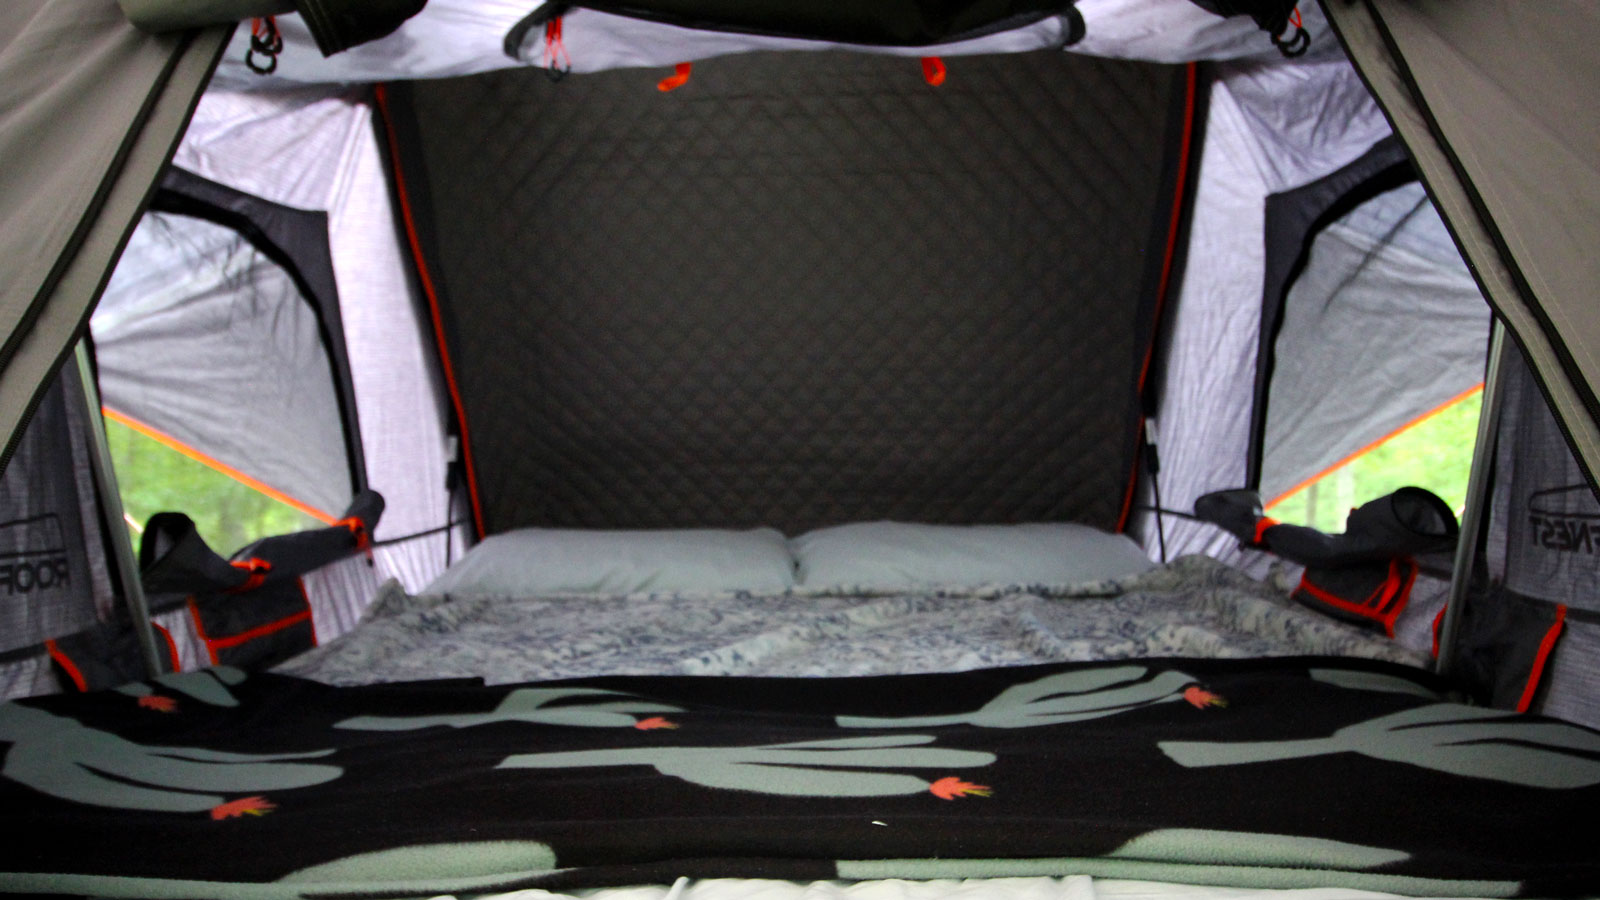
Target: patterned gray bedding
column 1192, row 607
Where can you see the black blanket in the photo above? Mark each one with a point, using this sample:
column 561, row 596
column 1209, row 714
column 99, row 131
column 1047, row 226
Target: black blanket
column 1256, row 773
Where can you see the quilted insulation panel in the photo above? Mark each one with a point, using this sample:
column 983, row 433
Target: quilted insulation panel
column 799, row 290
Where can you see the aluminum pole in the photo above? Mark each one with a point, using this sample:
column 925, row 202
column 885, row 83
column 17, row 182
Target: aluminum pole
column 1473, row 516
column 105, row 482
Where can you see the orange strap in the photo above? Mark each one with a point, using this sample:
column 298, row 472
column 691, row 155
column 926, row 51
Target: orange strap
column 67, row 665
column 556, row 59
column 1383, row 605
column 245, row 637
column 1536, row 673
column 1438, row 623
column 678, row 78
column 172, row 645
column 1262, row 524
column 213, row 644
column 933, row 70
column 358, row 530
column 258, row 569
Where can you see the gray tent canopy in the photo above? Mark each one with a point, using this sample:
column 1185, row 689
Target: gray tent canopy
column 1496, row 103
column 1517, row 198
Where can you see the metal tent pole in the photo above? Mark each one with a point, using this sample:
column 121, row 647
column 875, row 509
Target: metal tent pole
column 105, row 482
column 1473, row 516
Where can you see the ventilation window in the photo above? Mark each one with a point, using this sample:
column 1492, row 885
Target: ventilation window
column 219, row 390
column 228, row 509
column 1376, row 365
column 1433, row 451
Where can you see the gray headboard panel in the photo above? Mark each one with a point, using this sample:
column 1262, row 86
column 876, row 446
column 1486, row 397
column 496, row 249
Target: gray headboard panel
column 801, row 289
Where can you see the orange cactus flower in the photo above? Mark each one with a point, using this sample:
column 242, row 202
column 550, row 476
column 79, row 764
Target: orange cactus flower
column 950, row 787
column 653, row 723
column 1200, row 698
column 158, row 703
column 244, row 806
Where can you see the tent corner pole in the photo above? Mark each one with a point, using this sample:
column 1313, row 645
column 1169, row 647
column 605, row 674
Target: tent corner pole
column 105, row 482
column 1477, row 501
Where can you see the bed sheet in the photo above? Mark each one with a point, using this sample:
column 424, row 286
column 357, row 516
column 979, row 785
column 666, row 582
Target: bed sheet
column 1193, row 607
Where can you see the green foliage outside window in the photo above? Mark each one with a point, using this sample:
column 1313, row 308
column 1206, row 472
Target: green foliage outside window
column 228, row 513
column 1435, row 454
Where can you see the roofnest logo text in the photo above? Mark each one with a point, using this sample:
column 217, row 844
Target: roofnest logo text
column 1565, row 519
column 33, row 556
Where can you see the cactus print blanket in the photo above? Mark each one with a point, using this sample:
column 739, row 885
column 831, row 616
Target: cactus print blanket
column 1268, row 773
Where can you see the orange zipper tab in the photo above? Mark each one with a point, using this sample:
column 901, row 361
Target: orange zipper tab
column 678, row 78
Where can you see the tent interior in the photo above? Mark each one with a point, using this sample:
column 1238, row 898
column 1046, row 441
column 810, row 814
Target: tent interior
column 1144, row 405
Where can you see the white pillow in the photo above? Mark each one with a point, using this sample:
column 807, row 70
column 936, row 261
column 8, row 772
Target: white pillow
column 902, row 554
column 539, row 561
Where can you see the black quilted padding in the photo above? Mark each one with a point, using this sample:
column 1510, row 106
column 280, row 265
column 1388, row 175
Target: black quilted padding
column 800, row 290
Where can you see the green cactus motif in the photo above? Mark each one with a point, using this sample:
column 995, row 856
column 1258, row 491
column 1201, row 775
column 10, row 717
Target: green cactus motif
column 533, row 706
column 825, row 768
column 66, row 759
column 1446, row 737
column 208, row 686
column 1063, row 697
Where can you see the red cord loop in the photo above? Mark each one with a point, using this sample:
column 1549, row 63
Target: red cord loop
column 358, row 530
column 678, row 78
column 266, row 41
column 258, row 569
column 557, row 63
column 1294, row 40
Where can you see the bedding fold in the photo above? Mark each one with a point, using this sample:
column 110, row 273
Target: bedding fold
column 1192, row 607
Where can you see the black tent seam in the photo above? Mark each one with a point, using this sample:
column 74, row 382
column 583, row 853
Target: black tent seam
column 1160, row 341
column 1164, row 274
column 399, row 137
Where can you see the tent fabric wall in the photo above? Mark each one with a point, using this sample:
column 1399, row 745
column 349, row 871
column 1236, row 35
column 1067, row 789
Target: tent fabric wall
column 316, row 148
column 1271, row 127
column 463, row 37
column 1542, row 550
column 54, row 575
column 1527, row 228
column 1167, row 31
